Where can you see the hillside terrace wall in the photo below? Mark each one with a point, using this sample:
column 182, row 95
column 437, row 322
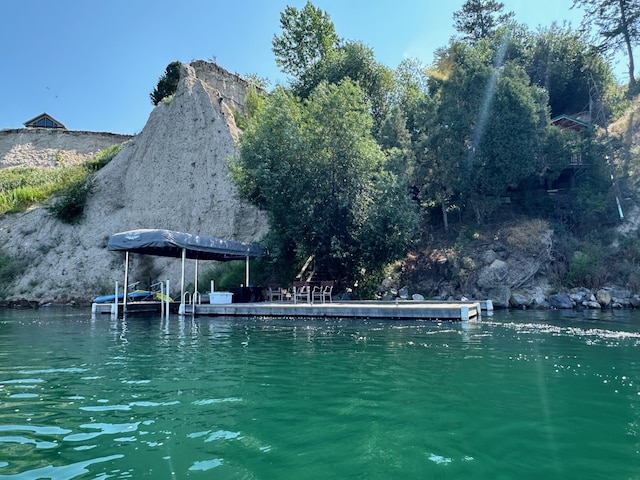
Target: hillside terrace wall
column 31, row 147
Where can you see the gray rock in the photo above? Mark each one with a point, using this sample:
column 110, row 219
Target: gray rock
column 493, row 275
column 499, row 296
column 560, row 300
column 489, row 257
column 603, row 297
column 519, row 300
column 592, row 305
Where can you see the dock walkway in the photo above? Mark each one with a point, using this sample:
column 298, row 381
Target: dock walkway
column 409, row 310
column 406, row 309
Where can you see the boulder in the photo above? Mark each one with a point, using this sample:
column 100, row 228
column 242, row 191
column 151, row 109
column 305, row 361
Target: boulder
column 603, row 297
column 489, row 256
column 499, row 296
column 561, row 301
column 493, row 275
column 520, row 300
column 579, row 295
column 620, row 295
column 591, row 305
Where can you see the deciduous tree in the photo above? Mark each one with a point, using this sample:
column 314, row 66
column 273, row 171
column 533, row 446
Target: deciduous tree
column 307, row 36
column 316, row 170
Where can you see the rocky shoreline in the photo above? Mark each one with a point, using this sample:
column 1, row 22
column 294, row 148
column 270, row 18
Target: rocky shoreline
column 575, row 298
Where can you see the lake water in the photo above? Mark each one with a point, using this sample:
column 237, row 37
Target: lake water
column 520, row 395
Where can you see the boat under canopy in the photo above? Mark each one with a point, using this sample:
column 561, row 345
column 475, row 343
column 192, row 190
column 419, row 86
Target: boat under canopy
column 168, row 243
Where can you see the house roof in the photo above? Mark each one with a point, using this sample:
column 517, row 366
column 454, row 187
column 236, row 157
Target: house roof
column 44, row 120
column 567, row 122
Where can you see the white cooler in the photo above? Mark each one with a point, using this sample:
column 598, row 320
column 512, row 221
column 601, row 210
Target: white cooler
column 220, row 297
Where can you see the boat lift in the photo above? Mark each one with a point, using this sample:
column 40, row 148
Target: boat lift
column 168, row 243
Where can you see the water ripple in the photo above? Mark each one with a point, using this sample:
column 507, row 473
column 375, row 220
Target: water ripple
column 105, row 429
column 63, row 472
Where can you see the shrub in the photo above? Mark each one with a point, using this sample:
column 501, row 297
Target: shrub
column 69, row 207
column 21, row 187
column 103, row 157
column 587, row 269
column 167, row 84
column 9, row 269
column 232, row 274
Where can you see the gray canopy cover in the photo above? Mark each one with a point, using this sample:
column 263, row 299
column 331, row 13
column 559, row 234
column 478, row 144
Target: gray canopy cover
column 167, row 243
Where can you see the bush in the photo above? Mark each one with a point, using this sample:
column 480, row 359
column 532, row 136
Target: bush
column 587, row 269
column 103, row 157
column 232, row 274
column 9, row 269
column 69, row 208
column 167, row 84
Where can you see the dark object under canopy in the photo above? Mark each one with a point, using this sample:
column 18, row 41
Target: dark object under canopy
column 167, row 243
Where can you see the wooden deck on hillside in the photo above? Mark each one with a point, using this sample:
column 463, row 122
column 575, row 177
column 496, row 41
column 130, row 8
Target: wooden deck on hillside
column 406, row 310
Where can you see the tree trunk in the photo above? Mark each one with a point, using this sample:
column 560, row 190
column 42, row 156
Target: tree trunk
column 627, row 40
column 445, row 216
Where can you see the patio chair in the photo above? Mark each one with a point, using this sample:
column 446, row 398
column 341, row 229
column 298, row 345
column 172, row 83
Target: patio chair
column 323, row 291
column 301, row 291
column 275, row 292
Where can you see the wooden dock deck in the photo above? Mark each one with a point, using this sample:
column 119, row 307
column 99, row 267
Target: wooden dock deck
column 406, row 310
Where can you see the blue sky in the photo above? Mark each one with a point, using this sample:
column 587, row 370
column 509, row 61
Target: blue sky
column 92, row 63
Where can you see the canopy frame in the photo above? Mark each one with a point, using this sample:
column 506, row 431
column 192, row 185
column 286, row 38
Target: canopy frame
column 168, row 243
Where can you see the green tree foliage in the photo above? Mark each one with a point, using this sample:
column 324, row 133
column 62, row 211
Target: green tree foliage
column 307, row 36
column 458, row 83
column 310, row 51
column 508, row 144
column 356, row 62
column 314, row 167
column 409, row 90
column 483, row 131
column 479, row 19
column 574, row 74
column 167, row 84
column 618, row 24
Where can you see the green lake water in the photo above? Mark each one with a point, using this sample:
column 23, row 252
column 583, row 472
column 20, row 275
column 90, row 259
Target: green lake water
column 519, row 395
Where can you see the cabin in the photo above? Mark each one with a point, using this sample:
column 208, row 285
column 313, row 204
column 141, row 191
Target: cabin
column 575, row 127
column 568, row 123
column 44, row 120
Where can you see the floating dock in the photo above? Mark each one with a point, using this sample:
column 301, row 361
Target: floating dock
column 405, row 310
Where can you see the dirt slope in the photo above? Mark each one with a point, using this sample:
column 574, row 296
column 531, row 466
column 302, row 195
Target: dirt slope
column 172, row 175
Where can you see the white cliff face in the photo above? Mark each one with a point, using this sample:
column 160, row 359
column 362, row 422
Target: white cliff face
column 173, row 175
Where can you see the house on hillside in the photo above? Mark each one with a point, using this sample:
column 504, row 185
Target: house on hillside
column 575, row 128
column 568, row 123
column 44, row 120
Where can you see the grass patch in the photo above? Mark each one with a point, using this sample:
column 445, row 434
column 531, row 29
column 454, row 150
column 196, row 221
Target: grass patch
column 22, row 187
column 103, row 157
